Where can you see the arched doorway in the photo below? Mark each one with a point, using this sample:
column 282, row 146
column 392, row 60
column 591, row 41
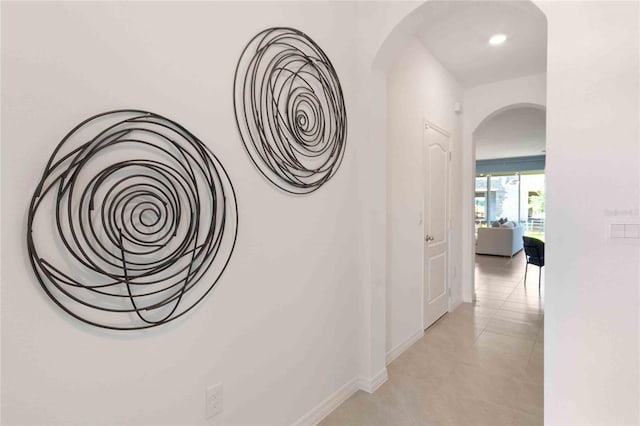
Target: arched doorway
column 378, row 259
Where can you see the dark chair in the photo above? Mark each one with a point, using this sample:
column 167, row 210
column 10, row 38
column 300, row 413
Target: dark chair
column 534, row 252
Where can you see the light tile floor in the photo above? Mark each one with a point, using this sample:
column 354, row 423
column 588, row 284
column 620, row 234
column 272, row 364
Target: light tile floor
column 479, row 365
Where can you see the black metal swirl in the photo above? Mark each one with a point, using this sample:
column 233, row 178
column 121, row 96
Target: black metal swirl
column 133, row 212
column 290, row 110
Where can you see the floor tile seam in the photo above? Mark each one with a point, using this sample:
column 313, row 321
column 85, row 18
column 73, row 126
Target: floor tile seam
column 529, row 294
column 499, row 268
column 506, row 335
column 510, row 294
column 517, row 410
column 511, row 335
column 492, row 403
column 483, row 291
column 495, row 290
column 405, row 409
column 541, row 331
column 514, row 408
column 501, row 296
column 538, row 326
column 495, row 282
column 539, row 290
column 523, row 306
column 490, row 297
column 434, row 390
column 500, row 278
column 503, row 302
column 505, row 309
column 534, row 345
column 486, row 400
column 515, row 335
column 488, row 285
column 484, row 326
column 523, row 310
column 513, row 378
column 519, row 380
column 523, row 322
column 515, row 358
column 527, row 305
column 502, row 275
column 524, row 301
column 500, row 373
column 507, row 312
column 481, row 331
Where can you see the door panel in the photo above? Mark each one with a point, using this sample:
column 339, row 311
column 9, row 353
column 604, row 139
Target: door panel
column 437, row 272
column 436, row 209
column 437, row 193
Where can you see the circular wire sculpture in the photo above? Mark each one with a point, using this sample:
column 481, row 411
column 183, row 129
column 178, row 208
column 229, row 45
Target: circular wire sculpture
column 290, row 110
column 133, row 221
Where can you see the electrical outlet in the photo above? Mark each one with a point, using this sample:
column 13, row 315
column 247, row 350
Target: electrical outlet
column 213, row 402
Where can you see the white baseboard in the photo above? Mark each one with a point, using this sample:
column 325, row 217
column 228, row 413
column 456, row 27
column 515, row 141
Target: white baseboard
column 322, row 410
column 333, row 401
column 398, row 350
column 370, row 385
column 457, row 304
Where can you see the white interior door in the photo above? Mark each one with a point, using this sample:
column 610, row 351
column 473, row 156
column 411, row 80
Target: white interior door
column 436, row 223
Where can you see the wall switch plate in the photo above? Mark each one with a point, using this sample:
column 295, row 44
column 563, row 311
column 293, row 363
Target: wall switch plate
column 213, row 401
column 623, row 230
column 617, row 230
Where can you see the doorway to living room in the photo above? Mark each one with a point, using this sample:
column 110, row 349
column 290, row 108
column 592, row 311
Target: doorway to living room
column 509, row 199
column 509, row 217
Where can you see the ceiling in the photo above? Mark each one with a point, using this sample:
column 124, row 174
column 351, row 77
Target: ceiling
column 457, row 34
column 518, row 132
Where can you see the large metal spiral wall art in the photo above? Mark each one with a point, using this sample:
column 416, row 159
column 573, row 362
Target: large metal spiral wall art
column 290, row 110
column 133, row 221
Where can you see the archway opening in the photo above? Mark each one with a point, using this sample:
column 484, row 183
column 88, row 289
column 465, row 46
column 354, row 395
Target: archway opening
column 509, row 202
column 458, row 99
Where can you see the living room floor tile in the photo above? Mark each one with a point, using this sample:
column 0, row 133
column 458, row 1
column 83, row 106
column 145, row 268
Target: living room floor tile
column 481, row 364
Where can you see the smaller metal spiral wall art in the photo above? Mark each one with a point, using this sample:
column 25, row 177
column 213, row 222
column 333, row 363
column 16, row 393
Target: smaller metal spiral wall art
column 133, row 221
column 290, row 110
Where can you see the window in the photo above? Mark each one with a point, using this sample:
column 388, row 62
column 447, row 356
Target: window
column 532, row 207
column 504, row 198
column 481, row 200
column 517, row 197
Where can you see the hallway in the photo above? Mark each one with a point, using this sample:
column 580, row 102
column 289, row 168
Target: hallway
column 482, row 364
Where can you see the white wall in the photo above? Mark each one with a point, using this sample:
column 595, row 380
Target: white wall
column 418, row 88
column 480, row 103
column 281, row 329
column 592, row 330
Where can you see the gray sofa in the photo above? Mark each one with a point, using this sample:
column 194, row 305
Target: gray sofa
column 499, row 241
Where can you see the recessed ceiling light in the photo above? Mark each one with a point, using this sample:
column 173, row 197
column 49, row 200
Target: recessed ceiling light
column 497, row 39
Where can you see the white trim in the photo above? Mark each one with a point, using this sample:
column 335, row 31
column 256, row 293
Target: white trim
column 456, row 305
column 372, row 384
column 333, row 401
column 398, row 350
column 330, row 403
